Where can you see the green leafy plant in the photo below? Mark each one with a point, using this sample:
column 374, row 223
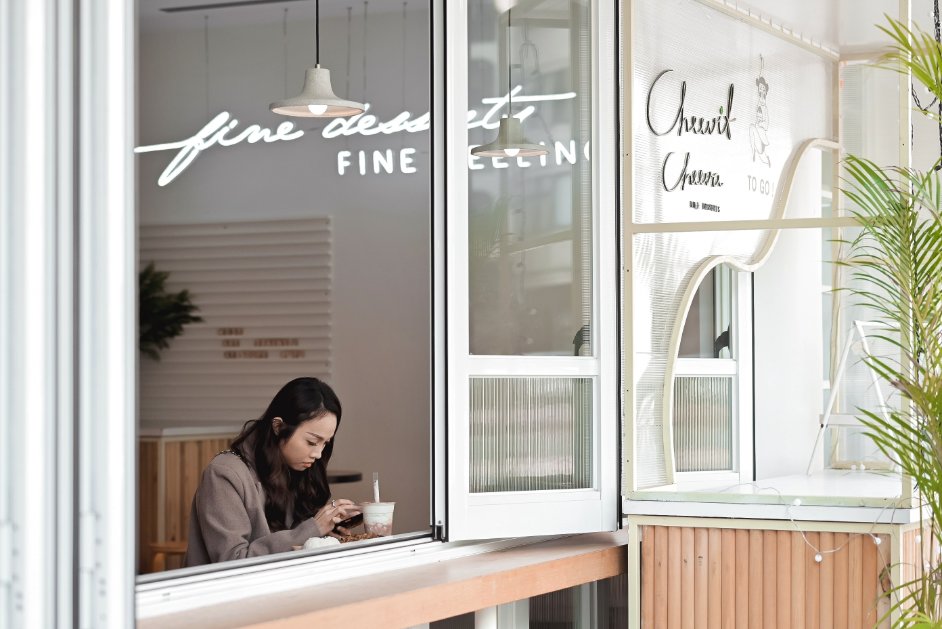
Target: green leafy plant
column 162, row 314
column 896, row 261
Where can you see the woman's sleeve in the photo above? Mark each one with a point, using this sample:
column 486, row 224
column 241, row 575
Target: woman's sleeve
column 225, row 523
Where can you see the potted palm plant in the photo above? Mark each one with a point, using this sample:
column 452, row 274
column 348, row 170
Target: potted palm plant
column 162, row 314
column 896, row 262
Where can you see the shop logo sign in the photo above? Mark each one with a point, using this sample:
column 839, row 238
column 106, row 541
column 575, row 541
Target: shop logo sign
column 683, row 122
column 672, row 112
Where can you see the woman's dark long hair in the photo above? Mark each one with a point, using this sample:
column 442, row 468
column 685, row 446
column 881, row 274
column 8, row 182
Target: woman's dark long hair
column 302, row 492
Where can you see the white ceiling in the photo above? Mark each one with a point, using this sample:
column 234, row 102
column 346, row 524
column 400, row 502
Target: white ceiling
column 151, row 15
column 845, row 24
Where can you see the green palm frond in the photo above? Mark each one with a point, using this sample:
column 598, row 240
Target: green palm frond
column 895, row 267
column 916, row 52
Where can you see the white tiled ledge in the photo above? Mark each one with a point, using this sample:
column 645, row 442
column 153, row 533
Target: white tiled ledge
column 810, row 513
column 826, row 496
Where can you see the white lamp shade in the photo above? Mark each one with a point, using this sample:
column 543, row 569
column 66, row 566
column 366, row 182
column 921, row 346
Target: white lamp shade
column 510, row 142
column 317, row 99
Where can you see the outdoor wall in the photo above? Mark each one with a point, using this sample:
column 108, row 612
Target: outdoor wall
column 788, row 339
column 381, row 246
column 775, row 96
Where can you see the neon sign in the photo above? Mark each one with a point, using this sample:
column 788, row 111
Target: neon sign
column 221, row 131
column 213, row 133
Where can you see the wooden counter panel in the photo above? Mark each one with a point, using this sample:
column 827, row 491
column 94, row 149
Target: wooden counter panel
column 761, row 578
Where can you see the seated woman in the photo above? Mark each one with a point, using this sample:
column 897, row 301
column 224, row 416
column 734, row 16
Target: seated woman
column 269, row 491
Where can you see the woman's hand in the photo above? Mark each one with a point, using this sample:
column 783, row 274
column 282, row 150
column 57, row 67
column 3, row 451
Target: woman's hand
column 335, row 511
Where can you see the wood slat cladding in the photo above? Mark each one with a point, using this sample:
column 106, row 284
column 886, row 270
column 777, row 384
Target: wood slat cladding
column 190, row 457
column 147, row 495
column 730, row 578
column 264, row 291
column 169, row 471
column 918, row 546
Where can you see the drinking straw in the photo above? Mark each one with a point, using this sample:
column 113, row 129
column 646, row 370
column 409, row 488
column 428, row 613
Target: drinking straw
column 375, row 486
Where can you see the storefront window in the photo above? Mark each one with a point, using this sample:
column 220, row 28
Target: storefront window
column 303, row 243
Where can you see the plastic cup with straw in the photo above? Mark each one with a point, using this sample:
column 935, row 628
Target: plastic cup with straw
column 377, row 515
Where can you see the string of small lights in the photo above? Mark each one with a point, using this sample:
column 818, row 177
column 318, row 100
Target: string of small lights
column 820, row 553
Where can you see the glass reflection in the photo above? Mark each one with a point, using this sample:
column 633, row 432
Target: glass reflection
column 708, row 329
column 530, row 218
column 274, row 226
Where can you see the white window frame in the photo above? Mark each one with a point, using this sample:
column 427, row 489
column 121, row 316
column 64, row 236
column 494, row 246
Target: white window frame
column 37, row 392
column 740, row 370
column 477, row 516
column 73, row 263
column 196, row 587
column 67, row 314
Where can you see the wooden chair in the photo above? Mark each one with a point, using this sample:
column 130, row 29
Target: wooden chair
column 161, row 550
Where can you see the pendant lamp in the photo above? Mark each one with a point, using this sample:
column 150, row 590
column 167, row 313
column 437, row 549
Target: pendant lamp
column 510, row 140
column 317, row 98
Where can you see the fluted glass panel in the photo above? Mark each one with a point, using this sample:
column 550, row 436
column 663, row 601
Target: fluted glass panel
column 703, row 423
column 530, row 434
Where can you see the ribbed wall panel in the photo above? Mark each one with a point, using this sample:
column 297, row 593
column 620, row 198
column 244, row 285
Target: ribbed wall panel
column 530, row 434
column 704, row 62
column 703, row 423
column 264, row 291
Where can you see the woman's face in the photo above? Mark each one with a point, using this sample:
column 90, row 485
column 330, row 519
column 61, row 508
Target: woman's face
column 306, row 444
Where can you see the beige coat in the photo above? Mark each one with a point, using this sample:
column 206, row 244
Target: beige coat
column 227, row 519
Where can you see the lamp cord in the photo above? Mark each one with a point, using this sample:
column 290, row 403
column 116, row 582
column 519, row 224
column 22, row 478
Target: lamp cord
column 317, row 33
column 366, row 6
column 206, row 59
column 346, row 92
column 405, row 6
column 284, row 41
column 510, row 109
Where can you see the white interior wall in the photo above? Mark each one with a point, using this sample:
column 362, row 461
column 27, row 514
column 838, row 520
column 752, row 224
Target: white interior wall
column 789, row 337
column 381, row 222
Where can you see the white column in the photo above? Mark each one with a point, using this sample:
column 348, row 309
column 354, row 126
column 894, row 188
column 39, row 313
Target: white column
column 585, row 606
column 107, row 332
column 35, row 288
column 515, row 615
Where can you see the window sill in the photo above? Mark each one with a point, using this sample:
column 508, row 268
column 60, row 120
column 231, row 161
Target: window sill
column 830, row 495
column 440, row 588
